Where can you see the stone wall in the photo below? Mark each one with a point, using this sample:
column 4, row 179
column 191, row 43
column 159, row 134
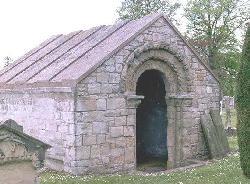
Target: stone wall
column 105, row 114
column 93, row 128
column 46, row 115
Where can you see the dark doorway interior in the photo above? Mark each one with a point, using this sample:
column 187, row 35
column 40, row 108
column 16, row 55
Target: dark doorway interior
column 151, row 120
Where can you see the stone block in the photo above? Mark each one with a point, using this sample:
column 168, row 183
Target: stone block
column 116, row 103
column 209, row 89
column 130, row 155
column 117, row 152
column 105, row 160
column 70, row 140
column 106, row 88
column 129, row 131
column 84, row 128
column 101, row 139
column 86, row 105
column 120, row 142
column 131, row 120
column 114, row 78
column 110, row 68
column 130, row 141
column 91, row 116
column 83, row 153
column 78, row 140
column 116, row 131
column 105, row 149
column 124, row 112
column 102, row 77
column 118, row 67
column 63, row 128
column 100, row 127
column 101, row 104
column 95, row 151
column 187, row 123
column 89, row 79
column 119, row 121
column 112, row 113
column 94, row 88
column 89, row 140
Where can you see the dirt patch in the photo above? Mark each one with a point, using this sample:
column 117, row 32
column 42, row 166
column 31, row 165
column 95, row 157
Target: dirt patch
column 17, row 173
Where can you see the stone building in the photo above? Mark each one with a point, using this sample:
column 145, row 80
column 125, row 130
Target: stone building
column 111, row 97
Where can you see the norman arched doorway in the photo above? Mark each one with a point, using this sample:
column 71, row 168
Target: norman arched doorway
column 151, row 119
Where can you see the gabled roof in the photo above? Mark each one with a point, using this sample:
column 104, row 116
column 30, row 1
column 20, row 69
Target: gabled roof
column 69, row 58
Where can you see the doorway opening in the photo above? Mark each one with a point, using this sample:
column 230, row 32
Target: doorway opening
column 151, row 122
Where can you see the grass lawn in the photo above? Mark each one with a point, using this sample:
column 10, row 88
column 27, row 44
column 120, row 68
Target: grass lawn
column 225, row 171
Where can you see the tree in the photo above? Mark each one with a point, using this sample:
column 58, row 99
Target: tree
column 135, row 9
column 212, row 28
column 212, row 25
column 243, row 106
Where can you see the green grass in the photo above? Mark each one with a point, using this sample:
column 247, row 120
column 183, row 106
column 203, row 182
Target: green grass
column 225, row 171
column 233, row 144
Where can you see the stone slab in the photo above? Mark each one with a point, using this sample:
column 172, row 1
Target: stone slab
column 222, row 137
column 211, row 136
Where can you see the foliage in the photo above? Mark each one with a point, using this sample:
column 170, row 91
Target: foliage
column 243, row 106
column 213, row 27
column 228, row 64
column 135, row 9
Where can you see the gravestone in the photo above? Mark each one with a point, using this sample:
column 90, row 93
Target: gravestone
column 227, row 101
column 214, row 133
column 222, row 137
column 21, row 156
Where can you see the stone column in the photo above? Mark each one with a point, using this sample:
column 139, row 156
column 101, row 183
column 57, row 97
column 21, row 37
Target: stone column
column 132, row 103
column 176, row 105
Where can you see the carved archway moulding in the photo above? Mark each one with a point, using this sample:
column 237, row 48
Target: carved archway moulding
column 176, row 75
column 159, row 56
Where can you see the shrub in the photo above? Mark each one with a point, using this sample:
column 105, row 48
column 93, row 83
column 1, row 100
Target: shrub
column 243, row 106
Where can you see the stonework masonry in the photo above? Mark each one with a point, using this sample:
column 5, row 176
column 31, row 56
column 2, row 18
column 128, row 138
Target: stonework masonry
column 92, row 126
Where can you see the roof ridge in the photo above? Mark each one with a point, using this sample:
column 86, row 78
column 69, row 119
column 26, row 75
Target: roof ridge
column 124, row 23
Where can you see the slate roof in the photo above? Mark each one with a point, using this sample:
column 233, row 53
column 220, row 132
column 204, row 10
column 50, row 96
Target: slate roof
column 69, row 58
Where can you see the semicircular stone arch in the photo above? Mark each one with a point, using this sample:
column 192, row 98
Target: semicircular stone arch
column 162, row 57
column 176, row 75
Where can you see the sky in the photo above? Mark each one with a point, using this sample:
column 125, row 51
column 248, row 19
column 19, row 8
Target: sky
column 24, row 24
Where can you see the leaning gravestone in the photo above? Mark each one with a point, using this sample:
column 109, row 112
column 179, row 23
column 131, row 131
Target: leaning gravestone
column 210, row 135
column 222, row 137
column 21, row 156
column 214, row 134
